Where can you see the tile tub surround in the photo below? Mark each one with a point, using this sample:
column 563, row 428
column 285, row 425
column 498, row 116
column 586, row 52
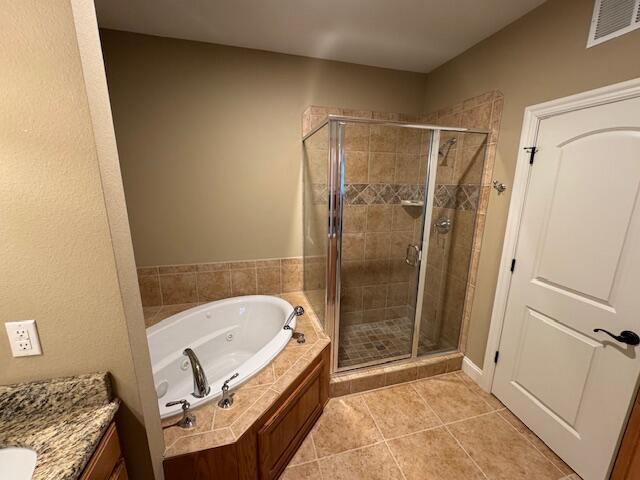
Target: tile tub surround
column 216, row 427
column 440, row 428
column 206, row 282
column 62, row 420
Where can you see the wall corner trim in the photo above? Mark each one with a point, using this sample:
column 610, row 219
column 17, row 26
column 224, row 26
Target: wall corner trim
column 475, row 373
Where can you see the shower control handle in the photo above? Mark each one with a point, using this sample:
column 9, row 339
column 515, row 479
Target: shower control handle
column 408, row 257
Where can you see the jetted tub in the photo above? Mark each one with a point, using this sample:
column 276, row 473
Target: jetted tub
column 236, row 335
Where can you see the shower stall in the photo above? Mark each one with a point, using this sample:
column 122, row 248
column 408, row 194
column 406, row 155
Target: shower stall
column 389, row 214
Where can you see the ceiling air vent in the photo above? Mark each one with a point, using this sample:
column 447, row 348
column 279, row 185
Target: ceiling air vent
column 612, row 18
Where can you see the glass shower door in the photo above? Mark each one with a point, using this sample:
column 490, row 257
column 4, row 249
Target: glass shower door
column 381, row 178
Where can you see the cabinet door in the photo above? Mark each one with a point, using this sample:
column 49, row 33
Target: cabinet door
column 120, row 472
column 105, row 458
column 282, row 434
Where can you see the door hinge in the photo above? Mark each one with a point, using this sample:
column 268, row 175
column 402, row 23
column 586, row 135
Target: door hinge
column 532, row 153
column 513, row 264
column 495, row 357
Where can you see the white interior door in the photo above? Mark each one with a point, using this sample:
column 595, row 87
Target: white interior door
column 577, row 269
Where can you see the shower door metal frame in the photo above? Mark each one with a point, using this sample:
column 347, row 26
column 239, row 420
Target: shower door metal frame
column 430, row 184
column 334, row 230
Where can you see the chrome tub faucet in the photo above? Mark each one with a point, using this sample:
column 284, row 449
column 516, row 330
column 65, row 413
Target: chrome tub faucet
column 188, row 419
column 227, row 398
column 201, row 386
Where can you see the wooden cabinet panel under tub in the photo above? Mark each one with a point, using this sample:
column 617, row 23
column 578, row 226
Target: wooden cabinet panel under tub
column 266, row 448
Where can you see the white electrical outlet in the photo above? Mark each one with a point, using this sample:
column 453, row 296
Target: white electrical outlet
column 23, row 338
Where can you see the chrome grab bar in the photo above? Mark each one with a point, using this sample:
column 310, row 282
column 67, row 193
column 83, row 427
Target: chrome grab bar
column 297, row 311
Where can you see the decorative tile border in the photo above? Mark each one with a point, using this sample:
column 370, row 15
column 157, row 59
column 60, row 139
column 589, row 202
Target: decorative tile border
column 371, row 193
column 458, row 197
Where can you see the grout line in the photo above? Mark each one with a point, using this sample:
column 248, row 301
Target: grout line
column 452, row 435
column 364, row 400
column 529, row 441
column 350, row 450
column 313, row 444
column 465, row 451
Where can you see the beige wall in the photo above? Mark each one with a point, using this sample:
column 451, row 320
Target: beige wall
column 209, row 141
column 56, row 251
column 540, row 57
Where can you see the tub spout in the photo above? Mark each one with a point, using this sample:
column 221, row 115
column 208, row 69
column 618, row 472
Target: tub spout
column 201, row 386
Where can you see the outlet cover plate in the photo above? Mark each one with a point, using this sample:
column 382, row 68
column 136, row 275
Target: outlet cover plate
column 23, row 338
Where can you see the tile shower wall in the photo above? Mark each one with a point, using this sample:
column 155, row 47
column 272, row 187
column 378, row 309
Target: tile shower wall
column 382, row 171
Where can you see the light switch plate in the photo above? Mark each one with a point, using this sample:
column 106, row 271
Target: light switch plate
column 23, row 338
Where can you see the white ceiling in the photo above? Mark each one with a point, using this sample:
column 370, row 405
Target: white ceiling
column 415, row 35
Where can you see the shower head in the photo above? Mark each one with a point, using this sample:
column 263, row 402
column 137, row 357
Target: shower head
column 443, row 153
column 448, row 144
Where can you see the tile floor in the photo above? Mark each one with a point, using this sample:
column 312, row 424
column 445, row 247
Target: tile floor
column 440, row 428
column 367, row 342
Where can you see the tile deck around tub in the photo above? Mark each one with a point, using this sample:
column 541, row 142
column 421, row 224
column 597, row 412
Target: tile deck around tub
column 440, row 428
column 216, row 427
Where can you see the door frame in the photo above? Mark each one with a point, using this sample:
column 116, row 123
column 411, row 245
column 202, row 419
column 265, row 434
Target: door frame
column 533, row 115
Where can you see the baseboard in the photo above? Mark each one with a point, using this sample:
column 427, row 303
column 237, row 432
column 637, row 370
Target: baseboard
column 473, row 371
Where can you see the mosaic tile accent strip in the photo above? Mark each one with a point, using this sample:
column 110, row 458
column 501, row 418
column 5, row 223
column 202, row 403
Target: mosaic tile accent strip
column 371, row 193
column 458, row 197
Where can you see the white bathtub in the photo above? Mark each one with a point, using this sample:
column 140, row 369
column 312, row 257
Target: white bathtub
column 241, row 334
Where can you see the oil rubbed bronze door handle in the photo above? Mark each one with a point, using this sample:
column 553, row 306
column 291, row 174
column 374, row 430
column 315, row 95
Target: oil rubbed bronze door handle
column 626, row 336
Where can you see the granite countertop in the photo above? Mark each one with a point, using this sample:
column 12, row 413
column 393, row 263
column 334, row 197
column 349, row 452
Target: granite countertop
column 62, row 420
column 216, row 427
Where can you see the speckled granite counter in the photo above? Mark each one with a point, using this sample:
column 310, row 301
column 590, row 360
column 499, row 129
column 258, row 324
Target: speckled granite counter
column 216, row 427
column 62, row 420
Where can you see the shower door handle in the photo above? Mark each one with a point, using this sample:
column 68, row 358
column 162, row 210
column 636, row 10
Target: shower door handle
column 407, row 257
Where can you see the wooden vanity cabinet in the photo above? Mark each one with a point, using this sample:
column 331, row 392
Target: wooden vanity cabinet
column 106, row 463
column 263, row 451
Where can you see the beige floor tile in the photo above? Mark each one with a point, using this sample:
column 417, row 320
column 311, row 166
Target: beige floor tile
column 399, row 411
column 369, row 463
column 451, row 398
column 306, row 471
column 536, row 441
column 345, row 424
column 306, row 452
column 500, row 451
column 433, row 455
column 475, row 388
